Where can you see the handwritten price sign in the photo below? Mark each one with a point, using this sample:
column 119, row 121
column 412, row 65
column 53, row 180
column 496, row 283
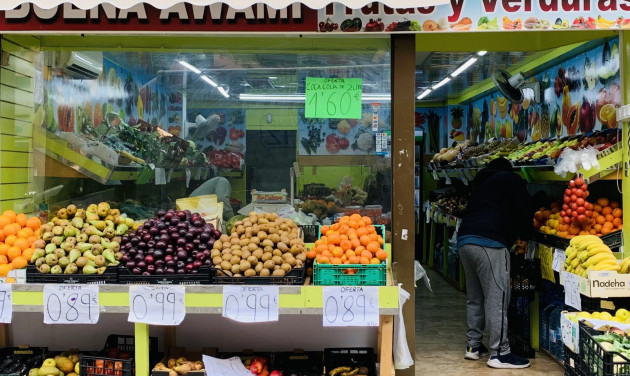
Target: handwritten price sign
column 572, row 291
column 351, row 306
column 333, row 98
column 6, row 303
column 157, row 305
column 225, row 367
column 251, row 303
column 71, row 304
column 546, row 262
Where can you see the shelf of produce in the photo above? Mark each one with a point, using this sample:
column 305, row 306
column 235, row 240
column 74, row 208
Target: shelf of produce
column 202, row 299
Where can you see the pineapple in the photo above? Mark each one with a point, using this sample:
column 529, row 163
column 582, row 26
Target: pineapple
column 457, row 113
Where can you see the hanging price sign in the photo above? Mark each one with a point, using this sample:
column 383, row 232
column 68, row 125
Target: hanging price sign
column 157, row 305
column 350, row 306
column 572, row 291
column 559, row 257
column 6, row 303
column 251, row 303
column 71, row 304
column 333, row 98
column 546, row 262
column 225, row 367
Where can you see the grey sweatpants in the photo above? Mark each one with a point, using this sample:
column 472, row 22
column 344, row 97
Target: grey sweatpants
column 488, row 295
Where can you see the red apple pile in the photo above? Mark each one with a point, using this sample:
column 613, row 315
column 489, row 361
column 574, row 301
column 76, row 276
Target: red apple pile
column 575, row 208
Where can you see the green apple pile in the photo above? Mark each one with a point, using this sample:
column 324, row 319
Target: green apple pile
column 63, row 364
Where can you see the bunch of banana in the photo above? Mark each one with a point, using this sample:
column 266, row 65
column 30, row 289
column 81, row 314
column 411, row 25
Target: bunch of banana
column 603, row 23
column 625, row 266
column 588, row 252
column 503, row 105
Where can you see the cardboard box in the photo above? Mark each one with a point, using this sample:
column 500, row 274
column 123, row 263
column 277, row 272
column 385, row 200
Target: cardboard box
column 570, row 333
column 603, row 284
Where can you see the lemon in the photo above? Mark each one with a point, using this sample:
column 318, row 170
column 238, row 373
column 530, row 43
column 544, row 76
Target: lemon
column 595, row 315
column 622, row 314
column 605, row 316
column 584, row 315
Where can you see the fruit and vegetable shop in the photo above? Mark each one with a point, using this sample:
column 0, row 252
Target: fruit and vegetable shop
column 274, row 188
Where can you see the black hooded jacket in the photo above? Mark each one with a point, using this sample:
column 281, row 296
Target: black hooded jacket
column 500, row 208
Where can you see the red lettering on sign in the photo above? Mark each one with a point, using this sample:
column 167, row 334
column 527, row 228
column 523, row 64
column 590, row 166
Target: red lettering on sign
column 348, row 11
column 370, row 9
column 330, row 9
column 528, row 5
column 507, row 5
column 605, row 5
column 388, row 10
column 549, row 5
column 427, row 10
column 625, row 6
column 405, row 11
column 571, row 5
column 457, row 6
column 489, row 5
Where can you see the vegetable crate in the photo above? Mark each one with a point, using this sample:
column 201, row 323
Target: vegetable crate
column 350, row 275
column 110, row 276
column 17, row 361
column 126, row 343
column 595, row 360
column 519, row 332
column 571, row 362
column 349, row 357
column 524, row 275
column 303, row 363
column 378, row 227
column 102, row 366
column 295, row 277
column 201, row 278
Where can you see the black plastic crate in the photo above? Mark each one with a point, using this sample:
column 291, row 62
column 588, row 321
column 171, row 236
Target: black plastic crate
column 295, row 277
column 311, row 233
column 103, row 366
column 519, row 330
column 110, row 276
column 595, row 360
column 350, row 357
column 571, row 362
column 305, row 363
column 125, row 276
column 610, row 305
column 17, row 361
column 525, row 274
column 126, row 343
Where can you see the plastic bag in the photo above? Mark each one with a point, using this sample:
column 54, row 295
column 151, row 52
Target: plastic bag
column 572, row 160
column 402, row 356
column 420, row 273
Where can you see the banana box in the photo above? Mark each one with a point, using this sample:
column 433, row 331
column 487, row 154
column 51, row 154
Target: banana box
column 603, row 284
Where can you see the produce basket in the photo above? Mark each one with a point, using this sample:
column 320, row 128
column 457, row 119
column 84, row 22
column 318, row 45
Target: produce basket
column 295, row 277
column 595, row 360
column 524, row 275
column 110, row 276
column 350, row 275
column 612, row 240
column 127, row 343
column 311, row 233
column 571, row 362
column 350, row 357
column 17, row 361
column 519, row 329
column 103, row 366
column 600, row 304
column 201, row 278
column 305, row 363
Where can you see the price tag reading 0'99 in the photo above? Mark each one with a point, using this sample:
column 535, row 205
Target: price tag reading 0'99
column 71, row 304
column 350, row 306
column 251, row 303
column 333, row 98
column 157, row 305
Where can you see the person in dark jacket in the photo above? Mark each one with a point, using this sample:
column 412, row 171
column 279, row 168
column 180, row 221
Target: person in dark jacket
column 499, row 211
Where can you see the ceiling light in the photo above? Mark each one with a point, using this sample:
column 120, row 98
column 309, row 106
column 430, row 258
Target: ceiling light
column 464, row 66
column 481, row 53
column 273, row 78
column 209, row 80
column 185, row 64
column 302, row 97
column 441, row 83
column 424, row 93
column 223, row 92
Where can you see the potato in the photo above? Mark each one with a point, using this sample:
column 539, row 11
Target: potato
column 266, row 256
column 286, row 267
column 252, row 247
column 269, row 264
column 272, row 230
column 237, row 252
column 235, row 260
column 250, row 273
column 265, row 273
column 301, row 256
column 296, row 249
column 284, row 239
column 284, row 227
column 214, row 253
column 243, row 242
column 258, row 253
column 217, row 245
column 224, row 238
column 240, row 229
column 255, row 229
column 263, row 221
column 264, row 228
column 291, row 261
column 234, row 241
column 226, row 265
column 255, row 240
column 275, row 238
column 238, row 275
column 247, row 223
column 278, row 272
column 245, row 265
column 262, row 235
column 235, row 269
column 246, row 253
column 299, row 263
column 282, row 246
column 276, row 267
column 238, row 223
column 277, row 252
column 266, row 243
column 227, row 245
column 252, row 260
column 286, row 256
column 227, row 256
column 259, row 267
column 217, row 260
column 277, row 260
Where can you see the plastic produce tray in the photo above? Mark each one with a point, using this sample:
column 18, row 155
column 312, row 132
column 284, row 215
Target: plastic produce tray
column 27, row 357
column 335, row 275
column 306, row 363
column 202, row 278
column 103, row 366
column 595, row 360
column 110, row 276
column 350, row 357
column 571, row 362
column 295, row 277
column 311, row 233
column 612, row 240
column 524, row 274
column 127, row 343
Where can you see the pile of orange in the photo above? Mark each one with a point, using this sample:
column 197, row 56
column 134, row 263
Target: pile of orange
column 352, row 240
column 607, row 217
column 17, row 235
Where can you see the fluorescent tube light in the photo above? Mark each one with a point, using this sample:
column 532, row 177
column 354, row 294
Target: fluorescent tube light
column 185, row 64
column 424, row 93
column 302, row 97
column 464, row 66
column 222, row 91
column 209, row 80
column 481, row 53
column 441, row 83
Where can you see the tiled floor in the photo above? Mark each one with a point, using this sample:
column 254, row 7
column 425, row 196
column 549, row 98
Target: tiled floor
column 441, row 337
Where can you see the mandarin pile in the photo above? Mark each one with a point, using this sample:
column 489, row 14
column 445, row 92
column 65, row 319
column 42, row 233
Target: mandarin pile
column 18, row 234
column 353, row 240
column 606, row 217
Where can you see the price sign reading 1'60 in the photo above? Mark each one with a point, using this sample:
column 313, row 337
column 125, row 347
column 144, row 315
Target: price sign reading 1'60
column 251, row 303
column 157, row 305
column 71, row 304
column 338, row 98
column 6, row 303
column 350, row 306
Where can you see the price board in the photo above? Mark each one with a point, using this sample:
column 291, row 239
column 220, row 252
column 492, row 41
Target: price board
column 350, row 306
column 6, row 303
column 71, row 304
column 572, row 290
column 225, row 367
column 559, row 257
column 546, row 262
column 157, row 305
column 251, row 303
column 333, row 98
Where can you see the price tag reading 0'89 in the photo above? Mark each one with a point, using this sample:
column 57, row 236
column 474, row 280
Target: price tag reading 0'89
column 350, row 306
column 71, row 304
column 157, row 305
column 333, row 98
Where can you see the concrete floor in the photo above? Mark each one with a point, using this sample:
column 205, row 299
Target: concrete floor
column 441, row 337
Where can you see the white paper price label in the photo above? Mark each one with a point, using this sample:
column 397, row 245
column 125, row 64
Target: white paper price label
column 251, row 303
column 157, row 305
column 435, row 175
column 350, row 306
column 570, row 333
column 572, row 291
column 71, row 304
column 225, row 367
column 6, row 303
column 558, row 260
column 447, row 179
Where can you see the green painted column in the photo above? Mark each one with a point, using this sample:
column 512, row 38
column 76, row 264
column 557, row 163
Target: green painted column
column 624, row 56
column 141, row 332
